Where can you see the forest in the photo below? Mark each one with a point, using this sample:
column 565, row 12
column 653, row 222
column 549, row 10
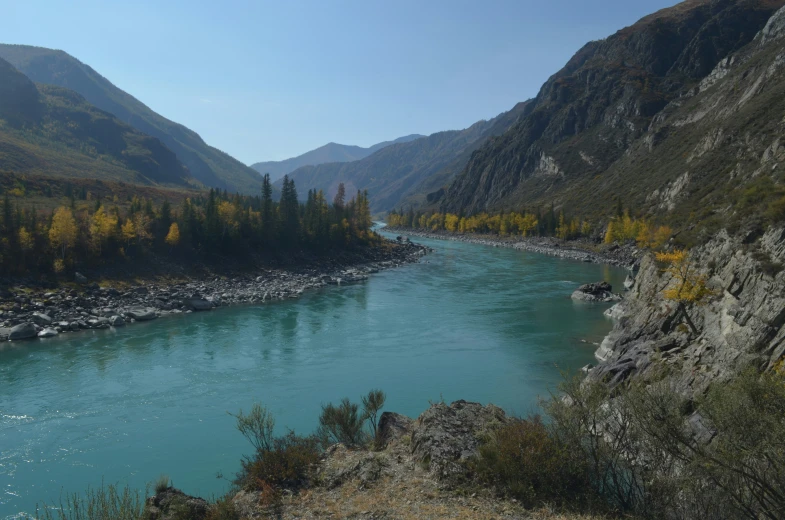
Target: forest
column 210, row 226
column 620, row 228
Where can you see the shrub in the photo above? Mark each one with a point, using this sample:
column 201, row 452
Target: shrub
column 161, row 484
column 345, row 423
column 257, row 427
column 287, row 465
column 528, row 463
column 342, row 423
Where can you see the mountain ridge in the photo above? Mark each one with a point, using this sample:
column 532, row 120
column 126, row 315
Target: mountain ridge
column 209, row 165
column 329, row 153
column 592, row 130
column 405, row 172
column 53, row 131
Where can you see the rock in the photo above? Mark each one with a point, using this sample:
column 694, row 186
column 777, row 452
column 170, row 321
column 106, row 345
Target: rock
column 80, row 278
column 197, row 304
column 445, row 436
column 117, row 321
column 595, row 292
column 173, row 504
column 616, row 312
column 41, row 319
column 393, row 426
column 22, row 331
column 47, row 333
column 140, row 314
column 629, row 282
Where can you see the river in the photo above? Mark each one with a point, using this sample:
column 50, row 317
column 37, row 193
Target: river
column 125, row 406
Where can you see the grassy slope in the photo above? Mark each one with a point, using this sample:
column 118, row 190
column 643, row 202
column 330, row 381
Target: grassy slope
column 53, row 131
column 207, row 164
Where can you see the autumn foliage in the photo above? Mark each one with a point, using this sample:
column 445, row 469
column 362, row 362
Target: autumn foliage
column 211, row 225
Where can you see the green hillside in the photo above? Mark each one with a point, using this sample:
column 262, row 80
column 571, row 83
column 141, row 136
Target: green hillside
column 46, row 130
column 206, row 164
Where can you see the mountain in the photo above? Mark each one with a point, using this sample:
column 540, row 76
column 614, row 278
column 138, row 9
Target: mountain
column 677, row 115
column 206, row 164
column 55, row 132
column 329, row 153
column 404, row 171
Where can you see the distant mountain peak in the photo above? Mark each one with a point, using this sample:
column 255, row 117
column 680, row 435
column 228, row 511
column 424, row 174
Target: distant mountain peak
column 331, row 152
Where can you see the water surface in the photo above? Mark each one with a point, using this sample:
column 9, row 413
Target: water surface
column 470, row 322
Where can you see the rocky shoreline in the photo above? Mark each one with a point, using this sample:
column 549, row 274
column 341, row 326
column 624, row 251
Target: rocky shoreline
column 627, row 256
column 27, row 313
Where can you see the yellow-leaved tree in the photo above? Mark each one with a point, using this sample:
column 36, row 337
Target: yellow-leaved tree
column 102, row 227
column 173, row 237
column 688, row 284
column 62, row 233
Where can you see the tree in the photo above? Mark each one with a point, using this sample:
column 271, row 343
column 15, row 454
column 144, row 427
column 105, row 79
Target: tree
column 101, row 228
column 340, row 197
column 26, row 242
column 128, row 231
column 63, row 232
column 173, row 237
column 687, row 286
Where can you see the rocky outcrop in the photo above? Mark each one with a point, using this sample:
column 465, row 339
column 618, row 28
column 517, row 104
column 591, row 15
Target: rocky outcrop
column 173, row 504
column 741, row 325
column 393, row 426
column 141, row 314
column 445, row 436
column 600, row 292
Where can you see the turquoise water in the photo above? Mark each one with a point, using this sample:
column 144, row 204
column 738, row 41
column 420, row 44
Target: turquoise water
column 125, row 406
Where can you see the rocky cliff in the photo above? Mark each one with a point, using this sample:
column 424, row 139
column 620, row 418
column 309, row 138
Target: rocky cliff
column 671, row 115
column 741, row 324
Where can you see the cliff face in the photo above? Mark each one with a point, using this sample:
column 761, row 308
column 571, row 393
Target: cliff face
column 629, row 115
column 740, row 326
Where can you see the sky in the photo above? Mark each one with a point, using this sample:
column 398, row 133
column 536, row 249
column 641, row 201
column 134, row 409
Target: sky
column 264, row 80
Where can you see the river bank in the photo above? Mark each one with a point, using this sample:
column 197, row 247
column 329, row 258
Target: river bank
column 27, row 313
column 626, row 256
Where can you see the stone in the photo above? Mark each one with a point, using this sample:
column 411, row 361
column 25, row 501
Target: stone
column 41, row 319
column 173, row 504
column 393, row 426
column 629, row 282
column 595, row 292
column 116, row 321
column 445, row 436
column 197, row 304
column 47, row 333
column 140, row 314
column 22, row 331
column 80, row 278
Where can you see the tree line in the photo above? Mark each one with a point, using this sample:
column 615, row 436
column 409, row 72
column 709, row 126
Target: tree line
column 621, row 228
column 214, row 224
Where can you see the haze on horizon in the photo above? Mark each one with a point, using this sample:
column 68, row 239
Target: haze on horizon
column 271, row 80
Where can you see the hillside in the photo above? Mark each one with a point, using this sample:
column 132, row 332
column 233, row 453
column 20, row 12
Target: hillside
column 405, row 171
column 53, row 131
column 329, row 153
column 677, row 114
column 206, row 164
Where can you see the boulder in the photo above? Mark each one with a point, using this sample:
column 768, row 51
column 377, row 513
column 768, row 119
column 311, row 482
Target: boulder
column 116, row 321
column 596, row 292
column 393, row 426
column 629, row 282
column 197, row 304
column 173, row 504
column 446, row 436
column 80, row 278
column 47, row 333
column 140, row 314
column 22, row 331
column 41, row 319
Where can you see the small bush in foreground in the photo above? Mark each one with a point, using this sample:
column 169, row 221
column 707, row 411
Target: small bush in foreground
column 531, row 465
column 346, row 423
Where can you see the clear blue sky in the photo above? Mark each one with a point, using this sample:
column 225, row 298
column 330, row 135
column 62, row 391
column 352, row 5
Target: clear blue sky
column 269, row 80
